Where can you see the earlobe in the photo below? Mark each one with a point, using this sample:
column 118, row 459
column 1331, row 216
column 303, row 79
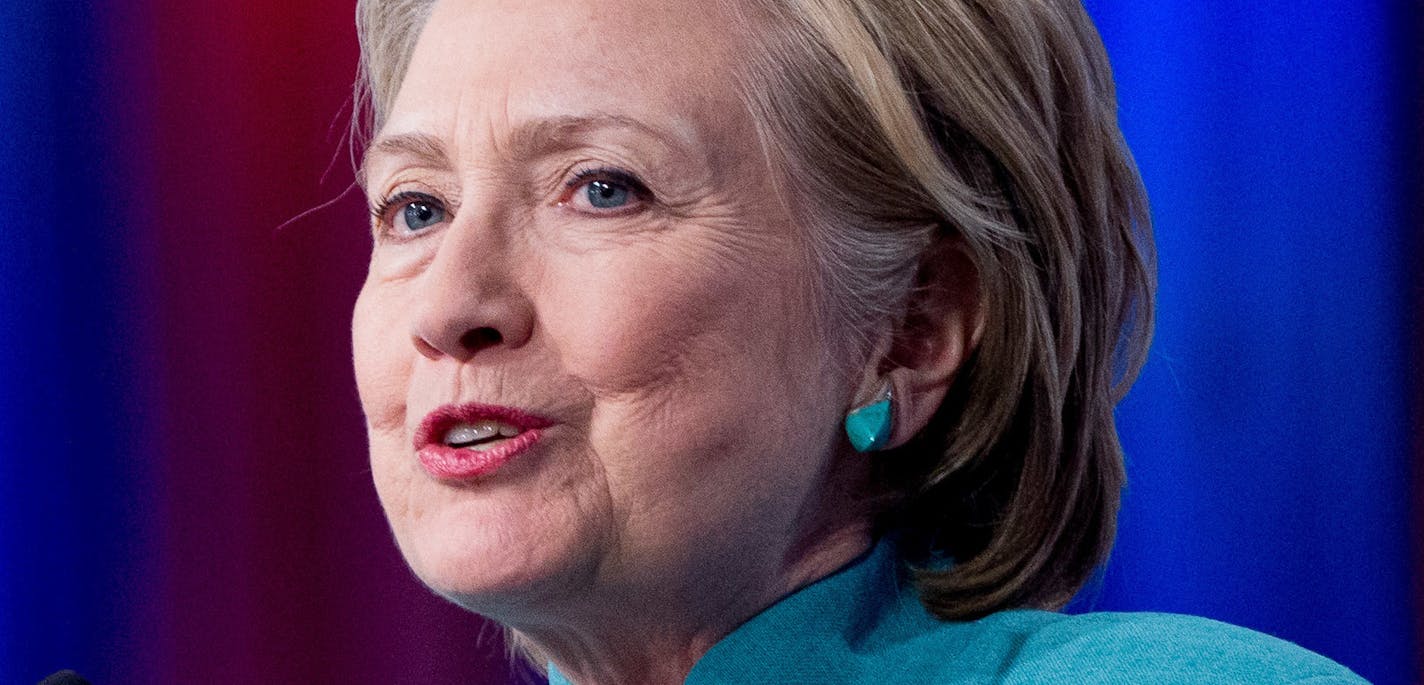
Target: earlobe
column 870, row 426
column 940, row 332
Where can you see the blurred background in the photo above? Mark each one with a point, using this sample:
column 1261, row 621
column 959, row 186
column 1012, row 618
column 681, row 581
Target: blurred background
column 184, row 494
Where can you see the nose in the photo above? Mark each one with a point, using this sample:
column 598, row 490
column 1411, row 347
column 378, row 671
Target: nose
column 469, row 300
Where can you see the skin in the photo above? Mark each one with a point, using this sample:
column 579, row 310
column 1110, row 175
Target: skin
column 695, row 471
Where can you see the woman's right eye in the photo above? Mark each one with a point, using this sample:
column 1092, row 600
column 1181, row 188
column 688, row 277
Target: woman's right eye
column 409, row 212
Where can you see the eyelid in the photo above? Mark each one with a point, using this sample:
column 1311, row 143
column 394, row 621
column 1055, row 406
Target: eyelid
column 383, row 210
column 607, row 173
column 582, row 177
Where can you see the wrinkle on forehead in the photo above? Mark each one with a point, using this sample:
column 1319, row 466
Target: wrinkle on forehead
column 494, row 63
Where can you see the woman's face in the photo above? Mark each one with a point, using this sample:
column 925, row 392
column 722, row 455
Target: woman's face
column 577, row 240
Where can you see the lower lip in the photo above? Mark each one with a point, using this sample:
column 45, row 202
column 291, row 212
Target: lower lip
column 462, row 463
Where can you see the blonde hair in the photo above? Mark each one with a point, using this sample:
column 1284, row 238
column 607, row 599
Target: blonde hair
column 969, row 129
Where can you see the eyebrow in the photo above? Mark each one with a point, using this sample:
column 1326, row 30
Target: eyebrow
column 540, row 135
column 529, row 139
column 428, row 150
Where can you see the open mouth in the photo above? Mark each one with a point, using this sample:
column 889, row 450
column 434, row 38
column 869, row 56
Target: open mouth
column 460, row 442
column 479, row 435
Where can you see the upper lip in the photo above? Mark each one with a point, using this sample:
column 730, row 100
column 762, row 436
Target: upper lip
column 437, row 423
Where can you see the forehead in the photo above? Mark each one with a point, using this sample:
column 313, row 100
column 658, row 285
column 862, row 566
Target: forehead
column 482, row 63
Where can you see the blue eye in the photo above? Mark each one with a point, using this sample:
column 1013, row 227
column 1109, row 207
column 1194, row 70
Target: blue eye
column 606, row 191
column 606, row 194
column 407, row 212
column 421, row 214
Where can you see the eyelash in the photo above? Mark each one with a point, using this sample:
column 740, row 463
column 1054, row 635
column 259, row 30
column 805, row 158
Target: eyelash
column 614, row 174
column 382, row 212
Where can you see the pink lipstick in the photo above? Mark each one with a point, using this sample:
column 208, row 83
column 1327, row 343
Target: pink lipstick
column 464, row 441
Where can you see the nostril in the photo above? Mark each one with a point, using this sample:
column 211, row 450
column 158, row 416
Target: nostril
column 480, row 338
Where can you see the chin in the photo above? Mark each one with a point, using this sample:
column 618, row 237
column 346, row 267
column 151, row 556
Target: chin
column 491, row 554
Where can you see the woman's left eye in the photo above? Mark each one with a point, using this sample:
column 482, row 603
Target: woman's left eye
column 604, row 191
column 606, row 195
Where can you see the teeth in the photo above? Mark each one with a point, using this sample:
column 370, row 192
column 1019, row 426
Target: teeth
column 467, row 434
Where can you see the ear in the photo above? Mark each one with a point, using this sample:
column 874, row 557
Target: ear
column 942, row 325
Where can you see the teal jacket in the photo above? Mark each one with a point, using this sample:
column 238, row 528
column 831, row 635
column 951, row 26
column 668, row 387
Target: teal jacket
column 865, row 624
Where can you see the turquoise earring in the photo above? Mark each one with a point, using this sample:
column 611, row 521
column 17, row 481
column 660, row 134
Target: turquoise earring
column 868, row 426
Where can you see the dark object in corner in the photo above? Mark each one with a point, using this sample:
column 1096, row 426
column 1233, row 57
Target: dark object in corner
column 65, row 677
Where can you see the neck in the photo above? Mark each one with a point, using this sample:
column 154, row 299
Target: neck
column 656, row 638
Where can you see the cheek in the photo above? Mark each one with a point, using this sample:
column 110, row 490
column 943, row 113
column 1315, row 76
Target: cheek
column 382, row 377
column 631, row 326
column 702, row 369
column 380, row 356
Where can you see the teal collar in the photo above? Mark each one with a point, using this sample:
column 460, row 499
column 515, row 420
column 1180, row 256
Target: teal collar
column 864, row 624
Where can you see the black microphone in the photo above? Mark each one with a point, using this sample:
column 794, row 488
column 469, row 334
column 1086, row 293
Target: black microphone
column 65, row 677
